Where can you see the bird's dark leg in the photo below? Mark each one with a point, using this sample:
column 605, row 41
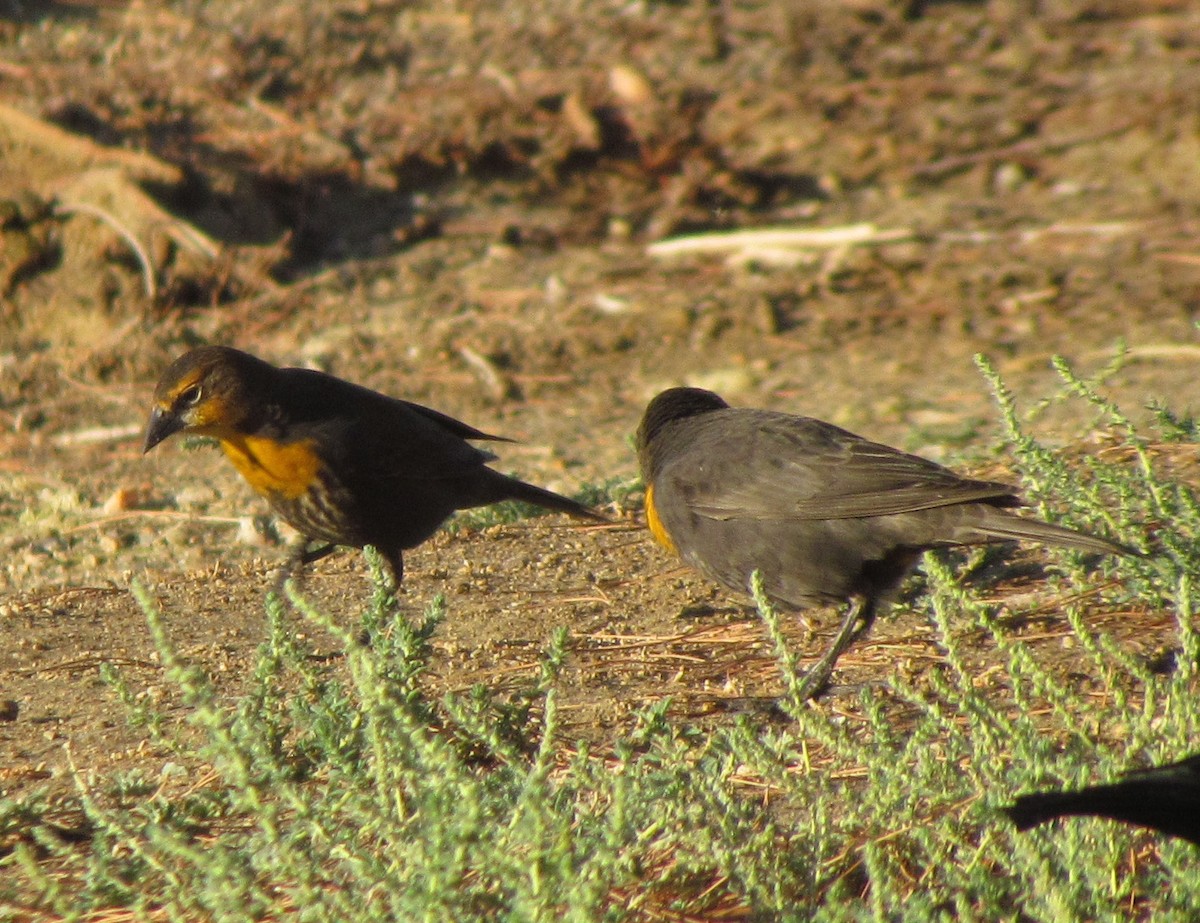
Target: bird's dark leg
column 396, row 562
column 308, row 556
column 299, row 558
column 859, row 617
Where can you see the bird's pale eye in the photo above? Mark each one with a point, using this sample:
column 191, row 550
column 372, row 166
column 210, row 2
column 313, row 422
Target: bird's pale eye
column 190, row 397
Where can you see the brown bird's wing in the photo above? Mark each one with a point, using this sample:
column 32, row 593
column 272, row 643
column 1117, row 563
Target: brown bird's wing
column 777, row 466
column 448, row 423
column 372, row 436
column 405, row 445
column 414, row 459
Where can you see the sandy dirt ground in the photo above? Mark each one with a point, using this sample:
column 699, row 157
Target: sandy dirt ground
column 458, row 203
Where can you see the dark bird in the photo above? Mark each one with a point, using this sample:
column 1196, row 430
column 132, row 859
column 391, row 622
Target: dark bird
column 824, row 515
column 1164, row 798
column 342, row 464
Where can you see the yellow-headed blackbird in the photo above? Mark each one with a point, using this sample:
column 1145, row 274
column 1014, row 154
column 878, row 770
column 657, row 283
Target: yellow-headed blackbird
column 1164, row 798
column 824, row 515
column 342, row 464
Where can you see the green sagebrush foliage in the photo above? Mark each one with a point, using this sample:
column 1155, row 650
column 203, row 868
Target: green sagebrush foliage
column 352, row 794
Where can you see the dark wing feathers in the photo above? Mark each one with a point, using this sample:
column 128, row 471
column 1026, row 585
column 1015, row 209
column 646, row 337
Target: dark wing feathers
column 457, row 427
column 381, row 437
column 801, row 468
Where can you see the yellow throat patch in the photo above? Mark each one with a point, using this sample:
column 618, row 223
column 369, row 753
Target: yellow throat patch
column 656, row 527
column 285, row 469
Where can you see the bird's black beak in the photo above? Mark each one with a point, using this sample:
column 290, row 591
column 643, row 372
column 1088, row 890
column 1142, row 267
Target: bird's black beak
column 163, row 423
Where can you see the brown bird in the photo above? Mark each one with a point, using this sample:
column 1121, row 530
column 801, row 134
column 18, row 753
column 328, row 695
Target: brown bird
column 342, row 464
column 1164, row 798
column 824, row 515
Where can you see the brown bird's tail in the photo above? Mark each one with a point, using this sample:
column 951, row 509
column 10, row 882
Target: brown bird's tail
column 1006, row 526
column 512, row 489
column 1167, row 805
column 1165, row 798
column 1038, row 808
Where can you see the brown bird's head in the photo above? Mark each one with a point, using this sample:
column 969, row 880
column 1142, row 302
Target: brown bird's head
column 211, row 391
column 669, row 406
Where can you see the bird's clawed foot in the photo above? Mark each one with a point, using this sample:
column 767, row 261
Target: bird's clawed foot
column 859, row 617
column 299, row 558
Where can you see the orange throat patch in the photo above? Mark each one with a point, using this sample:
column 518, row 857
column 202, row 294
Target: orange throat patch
column 657, row 529
column 286, row 469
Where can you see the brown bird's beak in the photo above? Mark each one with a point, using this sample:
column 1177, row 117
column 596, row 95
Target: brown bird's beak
column 163, row 423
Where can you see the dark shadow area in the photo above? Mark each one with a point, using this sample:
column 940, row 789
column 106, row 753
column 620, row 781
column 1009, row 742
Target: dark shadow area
column 34, row 11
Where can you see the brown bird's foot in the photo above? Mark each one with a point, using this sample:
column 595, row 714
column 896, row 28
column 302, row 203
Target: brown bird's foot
column 859, row 617
column 299, row 558
column 386, row 567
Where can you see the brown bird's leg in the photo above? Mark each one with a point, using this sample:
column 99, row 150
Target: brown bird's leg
column 395, row 563
column 304, row 556
column 299, row 558
column 859, row 617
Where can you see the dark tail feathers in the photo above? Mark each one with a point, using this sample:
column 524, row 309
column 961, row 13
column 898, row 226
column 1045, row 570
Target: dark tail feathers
column 513, row 489
column 1165, row 801
column 1010, row 527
